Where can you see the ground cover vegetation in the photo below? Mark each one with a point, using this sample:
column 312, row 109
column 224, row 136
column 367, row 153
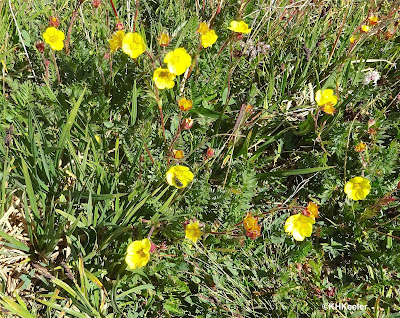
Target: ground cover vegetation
column 199, row 158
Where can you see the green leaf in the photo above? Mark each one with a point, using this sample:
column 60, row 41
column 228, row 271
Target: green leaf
column 31, row 193
column 134, row 104
column 296, row 172
column 67, row 127
column 14, row 242
column 62, row 309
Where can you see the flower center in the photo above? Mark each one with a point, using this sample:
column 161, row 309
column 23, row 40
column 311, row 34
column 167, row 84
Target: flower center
column 142, row 253
column 356, row 186
column 53, row 38
column 164, row 75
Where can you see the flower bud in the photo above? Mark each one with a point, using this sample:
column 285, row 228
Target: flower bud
column 210, row 152
column 164, row 39
column 187, row 123
column 371, row 122
column 40, row 46
column 96, row 3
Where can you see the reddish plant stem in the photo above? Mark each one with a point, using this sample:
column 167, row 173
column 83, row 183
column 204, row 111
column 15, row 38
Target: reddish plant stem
column 148, row 152
column 136, row 14
column 71, row 24
column 115, row 11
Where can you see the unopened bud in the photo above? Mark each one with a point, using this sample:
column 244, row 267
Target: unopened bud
column 187, row 123
column 40, row 46
column 96, row 3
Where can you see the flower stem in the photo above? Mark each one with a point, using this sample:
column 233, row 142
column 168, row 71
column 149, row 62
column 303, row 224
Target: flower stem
column 56, row 67
column 115, row 11
column 71, row 24
column 136, row 14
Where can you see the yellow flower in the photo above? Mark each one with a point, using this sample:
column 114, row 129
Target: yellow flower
column 178, row 61
column 193, row 232
column 163, row 78
column 373, row 20
column 239, row 26
column 325, row 97
column 138, row 254
column 312, row 210
column 360, row 147
column 185, row 104
column 164, row 39
column 300, row 226
column 133, row 44
column 116, row 40
column 365, row 28
column 178, row 154
column 98, row 139
column 357, row 188
column 208, row 38
column 203, row 28
column 352, row 39
column 179, row 176
column 54, row 38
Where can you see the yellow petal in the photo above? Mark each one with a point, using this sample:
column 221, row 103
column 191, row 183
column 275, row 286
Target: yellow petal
column 297, row 235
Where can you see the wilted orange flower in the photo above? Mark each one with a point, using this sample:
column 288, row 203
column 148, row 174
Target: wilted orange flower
column 164, row 39
column 178, row 154
column 253, row 229
column 311, row 210
column 248, row 109
column 360, row 147
column 373, row 20
column 54, row 22
column 185, row 104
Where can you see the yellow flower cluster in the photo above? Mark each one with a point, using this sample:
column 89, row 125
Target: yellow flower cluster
column 300, row 225
column 131, row 43
column 178, row 61
column 208, row 36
